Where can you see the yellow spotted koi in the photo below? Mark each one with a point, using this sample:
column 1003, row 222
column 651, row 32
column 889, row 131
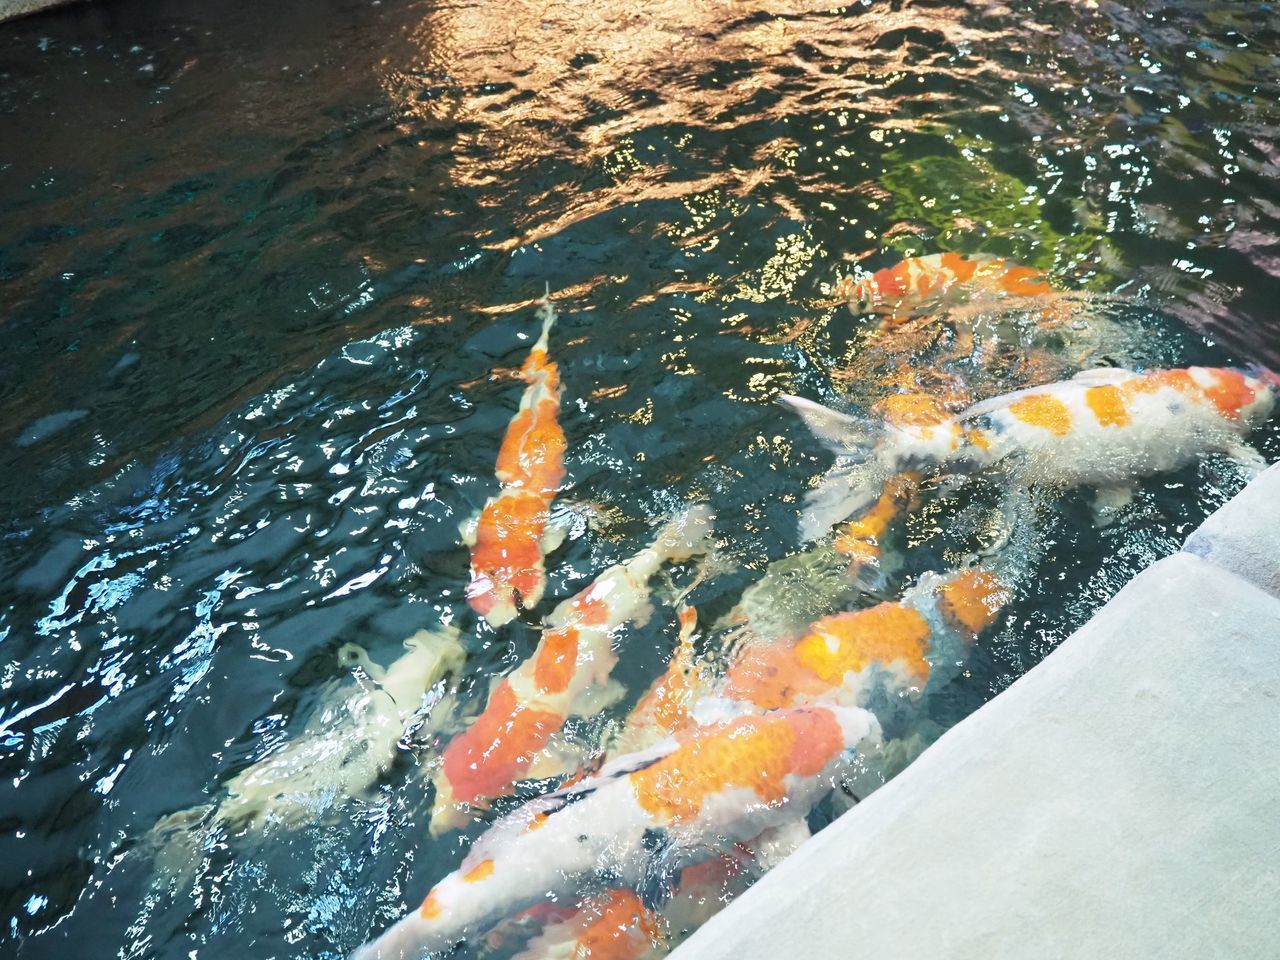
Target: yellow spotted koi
column 512, row 534
column 638, row 822
column 567, row 676
column 917, row 281
column 901, row 645
column 1104, row 428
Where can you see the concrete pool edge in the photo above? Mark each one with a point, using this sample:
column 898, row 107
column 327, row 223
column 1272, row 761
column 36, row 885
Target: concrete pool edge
column 13, row 9
column 1112, row 802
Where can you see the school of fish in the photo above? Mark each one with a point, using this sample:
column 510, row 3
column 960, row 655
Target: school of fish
column 818, row 683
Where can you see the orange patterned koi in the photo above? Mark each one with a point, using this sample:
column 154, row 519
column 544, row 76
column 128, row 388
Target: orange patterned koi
column 511, row 536
column 716, row 785
column 901, row 644
column 1104, row 428
column 566, row 676
column 614, row 925
column 916, row 281
column 664, row 708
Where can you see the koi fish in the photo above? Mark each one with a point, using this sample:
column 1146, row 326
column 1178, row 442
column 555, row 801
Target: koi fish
column 638, row 822
column 899, row 646
column 1103, row 428
column 566, row 676
column 613, row 925
column 665, row 706
column 344, row 748
column 908, row 285
column 512, row 534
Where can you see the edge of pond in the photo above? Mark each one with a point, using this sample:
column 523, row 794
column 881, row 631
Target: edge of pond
column 1111, row 802
column 12, row 9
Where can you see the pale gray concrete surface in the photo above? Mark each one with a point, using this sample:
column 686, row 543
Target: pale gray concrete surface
column 1244, row 536
column 20, row 8
column 1119, row 801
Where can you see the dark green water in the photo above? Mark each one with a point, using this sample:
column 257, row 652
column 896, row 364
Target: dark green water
column 259, row 266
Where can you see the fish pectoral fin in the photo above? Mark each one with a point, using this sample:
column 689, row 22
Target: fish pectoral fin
column 598, row 697
column 1109, row 500
column 1250, row 461
column 558, row 529
column 660, row 874
column 467, row 529
column 777, row 843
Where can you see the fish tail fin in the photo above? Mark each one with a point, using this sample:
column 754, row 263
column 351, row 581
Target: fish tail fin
column 850, row 486
column 444, row 648
column 846, row 489
column 845, row 435
column 688, row 535
column 547, row 314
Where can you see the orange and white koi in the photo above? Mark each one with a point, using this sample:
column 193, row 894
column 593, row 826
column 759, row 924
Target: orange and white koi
column 567, row 676
column 512, row 534
column 613, row 925
column 899, row 646
column 1104, row 428
column 618, row 925
column 639, row 821
column 665, row 706
column 916, row 281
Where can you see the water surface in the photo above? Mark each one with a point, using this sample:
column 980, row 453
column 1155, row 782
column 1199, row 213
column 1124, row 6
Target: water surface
column 266, row 272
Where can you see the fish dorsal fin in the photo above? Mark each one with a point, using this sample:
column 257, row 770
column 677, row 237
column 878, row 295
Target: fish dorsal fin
column 1096, row 376
column 1103, row 375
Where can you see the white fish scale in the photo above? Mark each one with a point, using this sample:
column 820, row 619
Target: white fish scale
column 1166, row 430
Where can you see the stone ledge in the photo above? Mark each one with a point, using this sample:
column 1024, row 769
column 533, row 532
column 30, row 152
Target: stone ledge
column 1244, row 536
column 1114, row 802
column 11, row 9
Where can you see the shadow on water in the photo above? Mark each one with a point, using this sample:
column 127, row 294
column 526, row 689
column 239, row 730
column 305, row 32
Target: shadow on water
column 266, row 274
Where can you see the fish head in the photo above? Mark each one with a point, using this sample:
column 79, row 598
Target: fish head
column 863, row 295
column 1266, row 386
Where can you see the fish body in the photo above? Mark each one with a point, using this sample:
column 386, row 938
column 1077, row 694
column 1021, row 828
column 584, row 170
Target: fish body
column 900, row 646
column 908, row 285
column 346, row 746
column 567, row 676
column 665, row 706
column 638, row 822
column 512, row 535
column 613, row 925
column 1104, row 428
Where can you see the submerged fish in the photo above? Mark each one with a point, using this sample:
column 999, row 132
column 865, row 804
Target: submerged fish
column 1104, row 428
column 567, row 676
column 900, row 646
column 916, row 281
column 512, row 534
column 346, row 745
column 665, row 706
column 637, row 823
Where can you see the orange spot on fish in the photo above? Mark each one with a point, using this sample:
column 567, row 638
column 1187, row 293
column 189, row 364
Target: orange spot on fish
column 1043, row 411
column 961, row 267
column 487, row 758
column 557, row 660
column 431, row 907
column 972, row 601
column 1108, row 405
column 479, row 872
column 1230, row 392
column 850, row 642
column 590, row 610
column 617, row 927
column 755, row 753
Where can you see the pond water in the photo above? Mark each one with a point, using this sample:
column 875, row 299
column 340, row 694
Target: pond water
column 267, row 272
